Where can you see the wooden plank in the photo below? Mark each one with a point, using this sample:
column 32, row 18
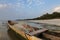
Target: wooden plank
column 23, row 34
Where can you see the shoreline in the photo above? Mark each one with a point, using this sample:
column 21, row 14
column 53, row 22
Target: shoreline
column 51, row 21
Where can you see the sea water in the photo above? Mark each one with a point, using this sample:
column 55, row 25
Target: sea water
column 6, row 35
column 43, row 25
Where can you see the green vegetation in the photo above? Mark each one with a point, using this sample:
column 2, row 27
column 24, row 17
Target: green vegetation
column 54, row 15
column 49, row 16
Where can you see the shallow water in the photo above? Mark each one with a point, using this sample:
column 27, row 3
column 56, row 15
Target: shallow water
column 8, row 35
column 5, row 34
column 41, row 25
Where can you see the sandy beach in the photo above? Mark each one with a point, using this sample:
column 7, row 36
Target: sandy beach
column 51, row 21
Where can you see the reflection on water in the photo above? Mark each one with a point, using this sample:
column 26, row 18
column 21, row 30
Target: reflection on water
column 5, row 34
column 14, row 36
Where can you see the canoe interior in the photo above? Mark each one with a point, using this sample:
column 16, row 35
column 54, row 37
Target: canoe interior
column 45, row 34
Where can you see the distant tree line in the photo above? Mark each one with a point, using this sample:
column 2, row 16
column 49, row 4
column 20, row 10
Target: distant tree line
column 48, row 16
column 54, row 15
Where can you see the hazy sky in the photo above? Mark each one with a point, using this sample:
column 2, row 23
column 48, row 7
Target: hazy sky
column 20, row 9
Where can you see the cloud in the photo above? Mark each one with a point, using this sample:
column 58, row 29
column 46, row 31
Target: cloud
column 3, row 6
column 22, row 4
column 35, row 1
column 31, row 3
column 57, row 9
column 10, row 5
column 19, row 5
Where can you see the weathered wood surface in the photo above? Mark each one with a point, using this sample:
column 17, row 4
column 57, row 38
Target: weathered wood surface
column 17, row 30
column 51, row 36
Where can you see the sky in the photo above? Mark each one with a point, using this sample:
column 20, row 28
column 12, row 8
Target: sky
column 24, row 9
